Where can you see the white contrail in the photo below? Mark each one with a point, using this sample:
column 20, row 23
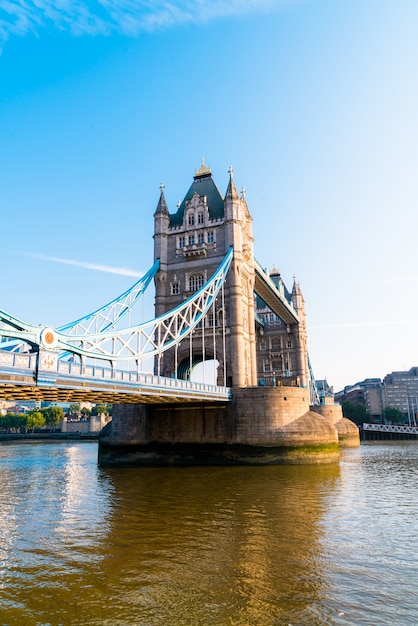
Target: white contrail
column 122, row 271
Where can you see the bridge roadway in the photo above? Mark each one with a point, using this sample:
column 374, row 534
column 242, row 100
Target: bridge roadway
column 44, row 377
column 275, row 299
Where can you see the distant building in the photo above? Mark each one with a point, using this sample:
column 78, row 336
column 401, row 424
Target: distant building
column 5, row 407
column 367, row 392
column 398, row 390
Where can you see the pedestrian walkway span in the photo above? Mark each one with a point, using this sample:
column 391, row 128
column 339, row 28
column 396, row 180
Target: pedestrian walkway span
column 44, row 377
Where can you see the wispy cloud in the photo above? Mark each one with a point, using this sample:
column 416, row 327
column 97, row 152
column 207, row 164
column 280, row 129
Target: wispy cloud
column 123, row 271
column 365, row 324
column 397, row 279
column 128, row 17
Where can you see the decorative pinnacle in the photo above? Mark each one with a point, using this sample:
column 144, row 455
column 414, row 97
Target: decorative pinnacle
column 231, row 171
column 244, row 193
column 162, row 187
column 204, row 169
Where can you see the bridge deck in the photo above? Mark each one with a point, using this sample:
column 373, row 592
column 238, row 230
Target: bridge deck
column 265, row 288
column 73, row 382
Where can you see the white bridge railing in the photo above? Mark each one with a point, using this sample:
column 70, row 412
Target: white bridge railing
column 12, row 361
column 392, row 428
column 18, row 361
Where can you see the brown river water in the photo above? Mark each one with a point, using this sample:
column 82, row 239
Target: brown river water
column 237, row 546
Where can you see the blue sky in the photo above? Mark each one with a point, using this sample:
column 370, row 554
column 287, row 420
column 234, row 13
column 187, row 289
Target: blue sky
column 313, row 102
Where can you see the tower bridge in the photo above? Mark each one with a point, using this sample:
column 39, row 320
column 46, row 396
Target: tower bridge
column 213, row 302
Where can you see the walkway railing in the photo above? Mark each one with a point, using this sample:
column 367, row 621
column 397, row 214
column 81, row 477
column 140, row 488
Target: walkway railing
column 392, row 428
column 13, row 366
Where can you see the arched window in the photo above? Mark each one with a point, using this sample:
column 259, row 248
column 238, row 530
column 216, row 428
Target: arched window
column 196, row 281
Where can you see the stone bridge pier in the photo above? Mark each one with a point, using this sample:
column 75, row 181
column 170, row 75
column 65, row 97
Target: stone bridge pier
column 260, row 426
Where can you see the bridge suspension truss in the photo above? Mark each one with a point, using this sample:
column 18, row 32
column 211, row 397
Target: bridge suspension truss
column 95, row 336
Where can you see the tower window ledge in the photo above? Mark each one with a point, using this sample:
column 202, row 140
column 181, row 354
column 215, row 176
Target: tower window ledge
column 195, row 251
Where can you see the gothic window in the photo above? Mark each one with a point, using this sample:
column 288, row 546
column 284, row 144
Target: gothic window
column 211, row 236
column 191, row 240
column 276, row 344
column 200, row 238
column 289, row 343
column 196, row 281
column 191, row 219
column 263, row 345
column 200, row 218
column 267, row 366
column 175, row 288
column 210, row 320
column 182, row 241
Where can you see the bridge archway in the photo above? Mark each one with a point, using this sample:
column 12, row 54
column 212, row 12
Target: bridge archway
column 201, row 370
column 184, row 369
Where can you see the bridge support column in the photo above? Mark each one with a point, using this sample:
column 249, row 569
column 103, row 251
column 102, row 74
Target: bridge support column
column 260, row 426
column 348, row 432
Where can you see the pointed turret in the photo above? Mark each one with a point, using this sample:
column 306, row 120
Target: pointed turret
column 233, row 203
column 297, row 298
column 161, row 225
column 162, row 204
column 231, row 192
column 247, row 213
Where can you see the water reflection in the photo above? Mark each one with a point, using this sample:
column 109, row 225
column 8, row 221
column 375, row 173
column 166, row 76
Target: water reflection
column 218, row 545
column 52, row 518
column 262, row 546
column 179, row 546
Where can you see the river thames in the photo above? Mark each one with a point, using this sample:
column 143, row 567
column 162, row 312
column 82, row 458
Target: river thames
column 238, row 546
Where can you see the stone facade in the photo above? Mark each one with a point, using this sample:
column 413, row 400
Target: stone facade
column 191, row 244
column 282, row 349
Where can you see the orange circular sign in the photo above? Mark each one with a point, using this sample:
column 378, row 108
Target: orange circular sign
column 49, row 338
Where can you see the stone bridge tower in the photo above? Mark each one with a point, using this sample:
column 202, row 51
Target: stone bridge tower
column 262, row 424
column 191, row 243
